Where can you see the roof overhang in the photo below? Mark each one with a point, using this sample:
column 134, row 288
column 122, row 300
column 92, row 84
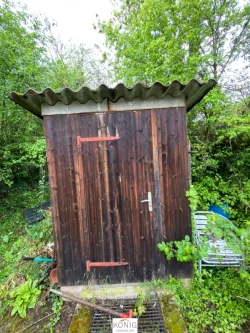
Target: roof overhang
column 114, row 99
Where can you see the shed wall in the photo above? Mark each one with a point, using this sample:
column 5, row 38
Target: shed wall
column 96, row 191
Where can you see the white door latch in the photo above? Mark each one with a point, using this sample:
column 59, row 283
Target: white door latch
column 149, row 201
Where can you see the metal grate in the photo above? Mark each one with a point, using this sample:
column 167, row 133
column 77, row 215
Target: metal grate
column 150, row 322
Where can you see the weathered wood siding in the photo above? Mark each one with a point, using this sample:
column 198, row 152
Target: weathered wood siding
column 96, row 193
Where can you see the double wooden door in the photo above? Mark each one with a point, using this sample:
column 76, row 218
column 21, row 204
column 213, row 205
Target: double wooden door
column 125, row 159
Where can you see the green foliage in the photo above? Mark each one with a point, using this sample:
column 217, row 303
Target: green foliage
column 220, row 167
column 19, row 240
column 186, row 251
column 183, row 250
column 56, row 307
column 140, row 307
column 167, row 249
column 26, row 243
column 217, row 227
column 193, row 198
column 32, row 58
column 22, row 65
column 212, row 301
column 24, row 297
column 4, row 300
column 159, row 40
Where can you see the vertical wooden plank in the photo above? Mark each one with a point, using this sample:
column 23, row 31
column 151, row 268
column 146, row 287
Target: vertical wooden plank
column 79, row 171
column 170, row 182
column 88, row 152
column 70, row 196
column 133, row 195
column 87, row 130
column 105, row 170
column 141, row 219
column 157, row 216
column 185, row 269
column 123, row 176
column 175, row 178
column 112, row 121
column 161, row 159
column 171, row 172
column 149, row 177
column 186, row 172
column 97, row 195
column 60, row 158
column 50, row 144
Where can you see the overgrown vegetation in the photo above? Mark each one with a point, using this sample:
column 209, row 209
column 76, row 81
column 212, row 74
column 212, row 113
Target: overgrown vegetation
column 208, row 303
column 150, row 40
column 19, row 279
column 56, row 308
column 238, row 240
column 31, row 57
column 216, row 301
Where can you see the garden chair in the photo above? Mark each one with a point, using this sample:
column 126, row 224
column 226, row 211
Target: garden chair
column 219, row 254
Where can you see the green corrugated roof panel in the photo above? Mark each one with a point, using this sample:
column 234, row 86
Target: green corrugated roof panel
column 193, row 92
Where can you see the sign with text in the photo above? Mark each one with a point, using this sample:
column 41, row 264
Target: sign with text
column 125, row 325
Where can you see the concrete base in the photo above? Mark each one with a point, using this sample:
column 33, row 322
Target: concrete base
column 110, row 291
column 115, row 291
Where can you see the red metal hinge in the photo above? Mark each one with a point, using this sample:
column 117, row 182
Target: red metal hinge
column 130, row 314
column 104, row 264
column 96, row 139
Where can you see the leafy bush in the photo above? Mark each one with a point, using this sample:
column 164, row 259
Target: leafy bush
column 184, row 250
column 25, row 297
column 212, row 301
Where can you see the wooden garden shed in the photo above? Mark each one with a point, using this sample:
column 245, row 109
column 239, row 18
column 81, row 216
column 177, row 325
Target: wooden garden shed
column 118, row 171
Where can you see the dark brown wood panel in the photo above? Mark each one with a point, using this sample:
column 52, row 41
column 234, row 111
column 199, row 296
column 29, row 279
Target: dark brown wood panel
column 177, row 218
column 97, row 189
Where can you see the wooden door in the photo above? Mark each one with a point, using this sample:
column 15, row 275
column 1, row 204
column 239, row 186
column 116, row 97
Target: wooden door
column 117, row 176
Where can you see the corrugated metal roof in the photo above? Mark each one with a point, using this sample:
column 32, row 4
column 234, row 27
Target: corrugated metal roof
column 193, row 92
